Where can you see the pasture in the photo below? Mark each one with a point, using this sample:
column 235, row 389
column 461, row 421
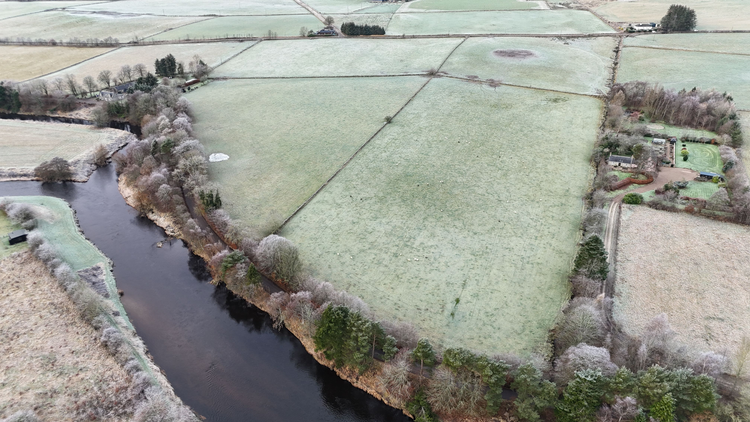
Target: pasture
column 198, row 7
column 453, row 5
column 26, row 144
column 9, row 9
column 242, row 26
column 213, row 54
column 719, row 43
column 23, row 62
column 6, row 227
column 380, row 19
column 327, row 7
column 703, row 157
column 289, row 137
column 324, row 57
column 65, row 26
column 687, row 69
column 712, row 15
column 669, row 263
column 493, row 22
column 575, row 65
column 451, row 218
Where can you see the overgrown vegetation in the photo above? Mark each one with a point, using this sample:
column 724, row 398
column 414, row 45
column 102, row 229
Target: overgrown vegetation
column 56, row 170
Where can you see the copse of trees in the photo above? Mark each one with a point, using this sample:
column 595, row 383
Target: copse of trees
column 166, row 67
column 10, row 99
column 679, row 19
column 352, row 29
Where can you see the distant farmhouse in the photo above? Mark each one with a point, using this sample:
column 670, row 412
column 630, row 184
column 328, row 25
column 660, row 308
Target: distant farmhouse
column 621, row 161
column 116, row 93
column 643, row 27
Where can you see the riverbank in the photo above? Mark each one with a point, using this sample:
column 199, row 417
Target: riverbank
column 368, row 382
column 71, row 351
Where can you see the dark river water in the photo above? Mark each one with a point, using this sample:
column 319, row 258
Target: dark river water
column 222, row 356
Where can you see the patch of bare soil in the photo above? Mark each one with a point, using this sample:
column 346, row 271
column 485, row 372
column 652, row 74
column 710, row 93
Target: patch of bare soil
column 514, row 54
column 693, row 269
column 52, row 361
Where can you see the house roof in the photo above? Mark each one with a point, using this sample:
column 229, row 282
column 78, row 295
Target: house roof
column 659, row 141
column 17, row 234
column 621, row 159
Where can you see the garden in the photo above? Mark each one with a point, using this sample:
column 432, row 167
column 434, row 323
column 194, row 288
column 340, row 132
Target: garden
column 726, row 14
column 701, row 157
column 428, row 224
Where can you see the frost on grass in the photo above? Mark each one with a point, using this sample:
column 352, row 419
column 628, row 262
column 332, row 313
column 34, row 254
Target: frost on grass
column 667, row 263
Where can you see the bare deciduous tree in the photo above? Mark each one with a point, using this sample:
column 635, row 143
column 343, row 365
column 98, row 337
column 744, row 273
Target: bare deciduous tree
column 55, row 170
column 105, row 78
column 90, row 84
column 140, row 70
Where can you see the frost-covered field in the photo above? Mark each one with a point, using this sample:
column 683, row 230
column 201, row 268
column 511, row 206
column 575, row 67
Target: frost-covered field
column 688, row 69
column 720, row 43
column 508, row 22
column 20, row 63
column 380, row 19
column 339, row 6
column 64, row 26
column 574, row 65
column 669, row 263
column 433, row 5
column 712, row 15
column 288, row 136
column 9, row 9
column 456, row 200
column 25, row 144
column 339, row 57
column 212, row 54
column 243, row 26
column 6, row 227
column 199, row 7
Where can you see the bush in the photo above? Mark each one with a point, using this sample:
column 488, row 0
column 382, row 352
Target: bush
column 420, row 408
column 395, row 378
column 55, row 170
column 633, row 199
column 232, row 259
column 586, row 287
column 582, row 322
column 534, row 393
column 279, row 256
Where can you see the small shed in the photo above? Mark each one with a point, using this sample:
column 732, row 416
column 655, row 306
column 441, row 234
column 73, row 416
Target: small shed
column 621, row 161
column 17, row 236
column 709, row 176
column 659, row 141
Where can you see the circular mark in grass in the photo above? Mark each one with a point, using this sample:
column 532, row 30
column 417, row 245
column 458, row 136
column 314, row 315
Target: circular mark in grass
column 514, row 54
column 215, row 158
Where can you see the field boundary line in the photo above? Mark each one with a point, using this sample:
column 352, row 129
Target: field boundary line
column 346, row 163
column 74, row 64
column 60, row 9
column 396, row 75
column 237, row 54
column 486, row 82
column 616, row 63
column 177, row 27
column 451, row 53
column 686, row 50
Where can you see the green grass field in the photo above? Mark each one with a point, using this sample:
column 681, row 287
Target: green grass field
column 720, row 43
column 199, row 7
column 468, row 204
column 575, row 65
column 509, row 22
column 212, row 54
column 59, row 227
column 687, row 69
column 323, row 57
column 434, row 5
column 290, row 136
column 712, row 15
column 703, row 157
column 9, row 9
column 26, row 144
column 6, row 227
column 242, row 26
column 65, row 26
column 700, row 190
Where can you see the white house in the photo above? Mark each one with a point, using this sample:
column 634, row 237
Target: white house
column 621, row 161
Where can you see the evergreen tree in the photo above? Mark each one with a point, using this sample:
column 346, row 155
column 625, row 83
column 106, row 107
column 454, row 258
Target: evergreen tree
column 663, row 410
column 582, row 397
column 424, row 354
column 389, row 348
column 332, row 333
column 10, row 100
column 534, row 393
column 591, row 260
column 678, row 18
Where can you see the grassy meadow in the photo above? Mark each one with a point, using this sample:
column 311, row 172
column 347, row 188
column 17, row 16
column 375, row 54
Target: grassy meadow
column 327, row 7
column 455, row 221
column 325, row 57
column 704, row 297
column 6, row 227
column 26, row 144
column 712, row 15
column 198, row 7
column 65, row 26
column 493, row 22
column 574, row 65
column 455, row 5
column 719, row 43
column 687, row 69
column 242, row 26
column 213, row 54
column 23, row 62
column 291, row 136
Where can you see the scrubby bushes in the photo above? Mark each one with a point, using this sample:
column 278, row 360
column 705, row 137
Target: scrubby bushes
column 633, row 198
column 279, row 257
column 737, row 183
column 56, row 170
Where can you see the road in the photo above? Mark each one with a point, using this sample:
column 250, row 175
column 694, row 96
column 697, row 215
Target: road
column 319, row 16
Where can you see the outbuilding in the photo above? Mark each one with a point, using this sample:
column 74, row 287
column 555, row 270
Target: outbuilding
column 621, row 161
column 17, row 236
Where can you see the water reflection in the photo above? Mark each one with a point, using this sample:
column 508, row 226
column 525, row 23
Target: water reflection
column 222, row 356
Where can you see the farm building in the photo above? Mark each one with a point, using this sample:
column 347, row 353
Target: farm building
column 642, row 27
column 116, row 93
column 621, row 161
column 17, row 236
column 709, row 176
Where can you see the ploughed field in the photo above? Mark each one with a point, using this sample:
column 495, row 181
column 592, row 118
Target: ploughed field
column 669, row 263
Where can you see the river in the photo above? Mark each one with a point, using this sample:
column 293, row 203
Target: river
column 221, row 354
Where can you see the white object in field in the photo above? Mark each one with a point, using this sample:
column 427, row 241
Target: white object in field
column 214, row 158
